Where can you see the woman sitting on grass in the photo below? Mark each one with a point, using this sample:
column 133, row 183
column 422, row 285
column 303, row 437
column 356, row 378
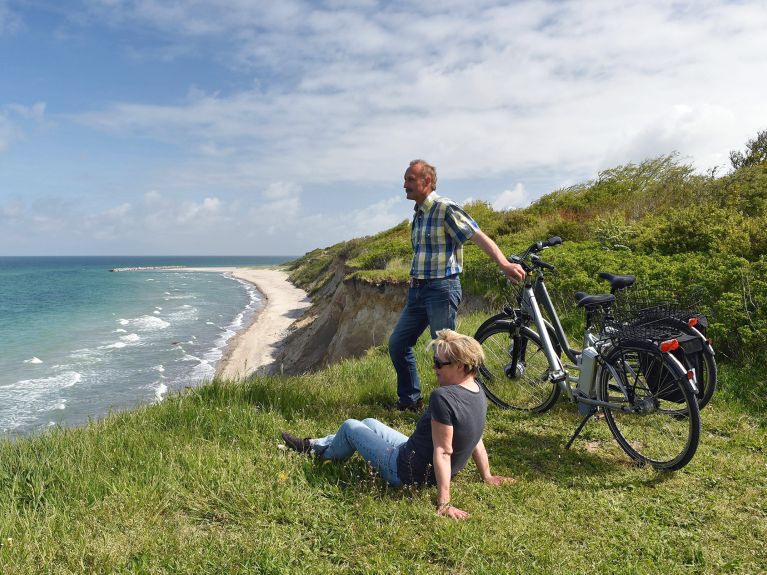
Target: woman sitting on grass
column 446, row 434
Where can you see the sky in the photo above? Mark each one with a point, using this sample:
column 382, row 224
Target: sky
column 250, row 127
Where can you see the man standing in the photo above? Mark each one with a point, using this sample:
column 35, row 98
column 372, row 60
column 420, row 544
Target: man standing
column 439, row 229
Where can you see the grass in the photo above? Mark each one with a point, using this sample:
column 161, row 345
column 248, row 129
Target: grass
column 199, row 484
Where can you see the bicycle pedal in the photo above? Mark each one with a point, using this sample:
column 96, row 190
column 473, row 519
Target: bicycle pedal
column 557, row 376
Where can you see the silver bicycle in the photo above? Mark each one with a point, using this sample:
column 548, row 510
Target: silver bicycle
column 624, row 369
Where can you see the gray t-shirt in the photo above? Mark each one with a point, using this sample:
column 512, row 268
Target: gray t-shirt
column 453, row 405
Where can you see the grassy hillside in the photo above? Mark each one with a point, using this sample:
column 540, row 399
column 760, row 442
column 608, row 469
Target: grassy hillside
column 657, row 219
column 199, row 484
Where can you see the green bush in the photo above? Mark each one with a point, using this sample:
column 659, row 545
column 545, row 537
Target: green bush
column 658, row 220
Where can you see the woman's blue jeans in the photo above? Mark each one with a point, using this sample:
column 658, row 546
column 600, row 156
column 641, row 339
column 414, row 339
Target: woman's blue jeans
column 433, row 305
column 376, row 442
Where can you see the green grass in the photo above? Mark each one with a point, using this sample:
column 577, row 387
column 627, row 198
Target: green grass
column 198, row 484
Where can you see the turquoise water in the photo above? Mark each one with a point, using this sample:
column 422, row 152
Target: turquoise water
column 77, row 341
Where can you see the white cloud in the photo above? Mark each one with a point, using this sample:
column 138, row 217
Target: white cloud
column 153, row 198
column 34, row 112
column 310, row 95
column 281, row 190
column 11, row 212
column 514, row 198
column 11, row 115
column 119, row 212
column 513, row 87
column 9, row 21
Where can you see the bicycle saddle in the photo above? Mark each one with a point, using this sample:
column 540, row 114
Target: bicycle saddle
column 617, row 281
column 591, row 301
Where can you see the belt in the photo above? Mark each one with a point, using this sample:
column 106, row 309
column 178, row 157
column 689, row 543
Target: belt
column 419, row 282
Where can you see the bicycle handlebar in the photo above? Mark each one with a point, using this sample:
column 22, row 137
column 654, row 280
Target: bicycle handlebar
column 539, row 263
column 543, row 244
column 536, row 261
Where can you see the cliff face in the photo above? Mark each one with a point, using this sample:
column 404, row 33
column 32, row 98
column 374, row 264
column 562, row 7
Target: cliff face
column 354, row 318
column 347, row 318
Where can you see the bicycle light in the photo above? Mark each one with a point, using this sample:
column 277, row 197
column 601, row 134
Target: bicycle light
column 669, row 345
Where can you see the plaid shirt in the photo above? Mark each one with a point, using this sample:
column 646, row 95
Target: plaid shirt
column 439, row 230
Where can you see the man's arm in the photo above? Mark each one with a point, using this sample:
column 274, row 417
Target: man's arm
column 512, row 271
column 479, row 455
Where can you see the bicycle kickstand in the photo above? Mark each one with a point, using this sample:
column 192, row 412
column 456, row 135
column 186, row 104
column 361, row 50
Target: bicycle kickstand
column 589, row 415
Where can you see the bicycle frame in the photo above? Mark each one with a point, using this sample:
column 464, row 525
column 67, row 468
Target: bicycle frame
column 571, row 384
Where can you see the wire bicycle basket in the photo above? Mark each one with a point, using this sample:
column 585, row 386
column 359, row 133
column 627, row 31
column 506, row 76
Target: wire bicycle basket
column 650, row 315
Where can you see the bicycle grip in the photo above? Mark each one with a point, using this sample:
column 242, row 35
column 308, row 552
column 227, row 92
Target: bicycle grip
column 552, row 241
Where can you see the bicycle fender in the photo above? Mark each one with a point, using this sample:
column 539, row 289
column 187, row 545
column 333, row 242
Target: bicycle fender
column 690, row 383
column 491, row 320
column 504, row 318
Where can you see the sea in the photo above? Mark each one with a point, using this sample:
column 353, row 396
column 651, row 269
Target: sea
column 78, row 341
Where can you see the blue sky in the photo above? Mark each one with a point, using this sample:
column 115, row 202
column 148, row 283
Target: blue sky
column 262, row 127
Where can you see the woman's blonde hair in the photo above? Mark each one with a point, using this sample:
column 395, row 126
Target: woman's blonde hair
column 457, row 347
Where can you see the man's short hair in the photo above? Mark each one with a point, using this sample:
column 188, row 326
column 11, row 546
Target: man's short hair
column 427, row 170
column 457, row 347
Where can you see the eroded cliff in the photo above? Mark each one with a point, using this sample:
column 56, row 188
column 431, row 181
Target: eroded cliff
column 348, row 316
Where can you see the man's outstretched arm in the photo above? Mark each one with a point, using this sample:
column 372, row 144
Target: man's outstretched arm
column 512, row 271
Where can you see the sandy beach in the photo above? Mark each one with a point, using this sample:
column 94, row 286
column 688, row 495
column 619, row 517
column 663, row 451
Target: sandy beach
column 253, row 349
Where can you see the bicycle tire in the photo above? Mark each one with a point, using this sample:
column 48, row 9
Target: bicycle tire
column 518, row 381
column 649, row 426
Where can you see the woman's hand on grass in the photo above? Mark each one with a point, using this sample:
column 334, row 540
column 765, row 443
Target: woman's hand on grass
column 499, row 480
column 452, row 512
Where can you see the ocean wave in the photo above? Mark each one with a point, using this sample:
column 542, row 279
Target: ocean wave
column 115, row 345
column 22, row 402
column 86, row 355
column 146, row 323
column 33, row 360
column 203, row 370
column 41, row 385
column 159, row 391
column 131, row 338
column 59, row 405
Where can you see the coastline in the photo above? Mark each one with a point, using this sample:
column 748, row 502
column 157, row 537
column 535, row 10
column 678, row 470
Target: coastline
column 253, row 349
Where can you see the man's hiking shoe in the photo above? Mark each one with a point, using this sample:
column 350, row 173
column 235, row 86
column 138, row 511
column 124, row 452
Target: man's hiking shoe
column 296, row 444
column 416, row 406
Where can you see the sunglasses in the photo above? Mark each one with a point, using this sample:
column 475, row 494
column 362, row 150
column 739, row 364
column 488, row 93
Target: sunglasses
column 439, row 364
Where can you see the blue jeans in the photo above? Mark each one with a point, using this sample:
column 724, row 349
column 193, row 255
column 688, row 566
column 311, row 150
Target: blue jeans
column 433, row 305
column 376, row 442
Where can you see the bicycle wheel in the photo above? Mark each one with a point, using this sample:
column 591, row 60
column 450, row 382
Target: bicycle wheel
column 655, row 420
column 515, row 373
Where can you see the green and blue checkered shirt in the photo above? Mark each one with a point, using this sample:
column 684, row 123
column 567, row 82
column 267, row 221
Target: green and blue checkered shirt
column 439, row 230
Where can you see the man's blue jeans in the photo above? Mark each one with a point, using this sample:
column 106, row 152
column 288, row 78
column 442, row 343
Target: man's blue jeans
column 433, row 305
column 376, row 442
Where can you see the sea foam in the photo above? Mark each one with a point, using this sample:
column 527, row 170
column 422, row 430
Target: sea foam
column 146, row 323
